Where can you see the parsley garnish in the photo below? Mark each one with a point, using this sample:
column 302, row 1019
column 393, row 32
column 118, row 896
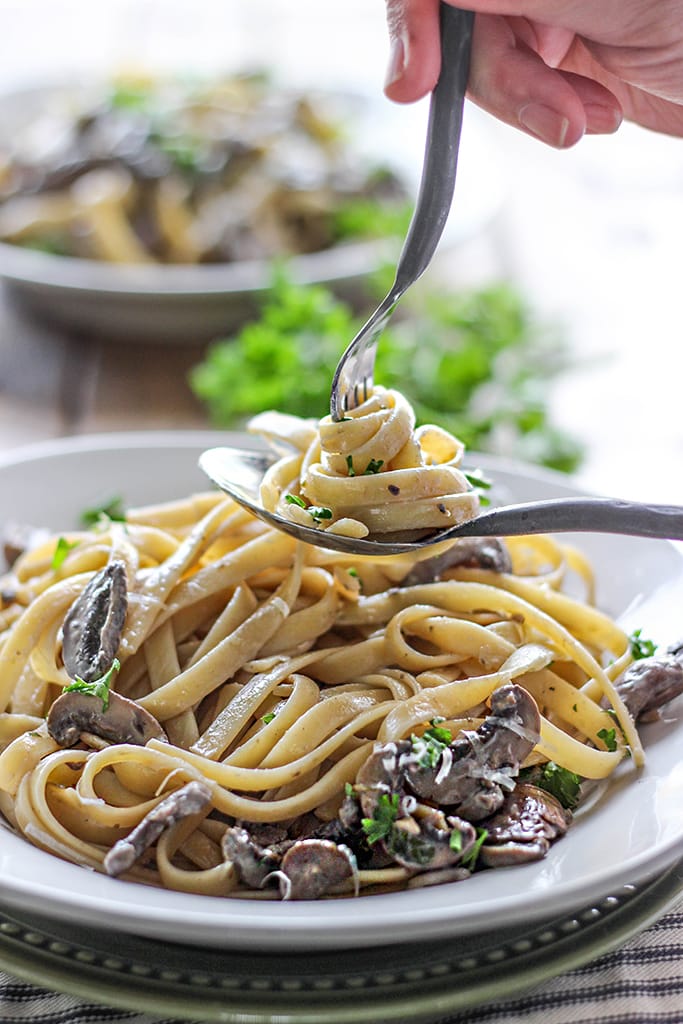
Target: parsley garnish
column 641, row 648
column 479, row 484
column 561, row 783
column 429, row 747
column 96, row 688
column 609, row 738
column 455, row 840
column 111, row 510
column 373, row 466
column 318, row 512
column 470, row 858
column 349, row 465
column 266, row 719
column 380, row 825
column 294, row 499
column 62, row 549
column 482, row 342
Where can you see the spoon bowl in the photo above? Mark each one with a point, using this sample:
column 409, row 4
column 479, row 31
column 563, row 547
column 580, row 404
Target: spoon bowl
column 240, row 471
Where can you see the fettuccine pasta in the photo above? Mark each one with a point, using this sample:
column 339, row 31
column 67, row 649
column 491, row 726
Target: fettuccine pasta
column 370, row 472
column 271, row 670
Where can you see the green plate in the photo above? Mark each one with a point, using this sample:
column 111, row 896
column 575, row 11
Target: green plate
column 360, row 986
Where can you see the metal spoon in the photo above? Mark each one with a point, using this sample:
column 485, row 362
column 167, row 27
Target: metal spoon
column 239, row 472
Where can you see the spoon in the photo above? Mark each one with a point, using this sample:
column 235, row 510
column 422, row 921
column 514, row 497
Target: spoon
column 239, row 472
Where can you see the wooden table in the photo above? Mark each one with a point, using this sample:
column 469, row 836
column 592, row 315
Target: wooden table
column 53, row 384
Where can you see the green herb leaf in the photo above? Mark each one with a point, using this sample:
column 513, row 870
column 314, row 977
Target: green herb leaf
column 477, row 363
column 62, row 549
column 470, row 858
column 429, row 747
column 294, row 499
column 318, row 512
column 98, row 687
column 561, row 783
column 373, row 466
column 379, row 826
column 641, row 648
column 609, row 738
column 266, row 719
column 111, row 510
column 349, row 465
column 455, row 840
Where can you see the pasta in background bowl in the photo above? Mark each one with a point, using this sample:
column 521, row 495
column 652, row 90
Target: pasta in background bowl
column 638, row 581
column 123, row 246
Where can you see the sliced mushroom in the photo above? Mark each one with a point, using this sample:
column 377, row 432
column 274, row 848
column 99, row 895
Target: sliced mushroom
column 529, row 820
column 252, row 862
column 650, row 683
column 468, row 552
column 474, row 772
column 311, row 868
column 193, row 798
column 94, row 624
column 121, row 721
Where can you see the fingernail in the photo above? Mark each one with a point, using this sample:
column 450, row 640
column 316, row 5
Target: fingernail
column 602, row 120
column 545, row 123
column 397, row 61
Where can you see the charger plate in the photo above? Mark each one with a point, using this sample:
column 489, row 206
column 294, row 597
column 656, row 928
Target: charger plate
column 410, row 982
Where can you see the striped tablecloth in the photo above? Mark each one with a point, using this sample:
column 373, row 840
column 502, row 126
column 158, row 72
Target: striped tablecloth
column 640, row 983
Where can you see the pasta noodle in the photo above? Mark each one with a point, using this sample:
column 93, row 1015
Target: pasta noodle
column 274, row 669
column 370, row 472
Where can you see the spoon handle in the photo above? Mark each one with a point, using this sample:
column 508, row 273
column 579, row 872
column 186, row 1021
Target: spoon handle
column 580, row 515
column 441, row 150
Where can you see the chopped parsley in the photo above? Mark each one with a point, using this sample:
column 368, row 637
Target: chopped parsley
column 109, row 511
column 267, row 719
column 318, row 512
column 609, row 738
column 380, row 825
column 641, row 648
column 429, row 747
column 560, row 782
column 455, row 840
column 62, row 549
column 98, row 687
column 479, row 484
column 373, row 466
column 349, row 465
column 471, row 857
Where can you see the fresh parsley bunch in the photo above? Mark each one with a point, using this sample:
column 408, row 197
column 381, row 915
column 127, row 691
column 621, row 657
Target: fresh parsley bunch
column 475, row 362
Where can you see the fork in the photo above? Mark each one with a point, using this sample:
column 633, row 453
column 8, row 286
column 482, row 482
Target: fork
column 353, row 378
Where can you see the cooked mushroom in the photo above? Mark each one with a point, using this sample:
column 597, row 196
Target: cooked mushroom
column 121, row 721
column 472, row 773
column 311, row 868
column 468, row 552
column 252, row 862
column 524, row 827
column 94, row 624
column 193, row 798
column 649, row 683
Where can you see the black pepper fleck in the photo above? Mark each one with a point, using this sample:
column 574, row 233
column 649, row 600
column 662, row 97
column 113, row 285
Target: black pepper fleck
column 393, row 489
column 441, row 507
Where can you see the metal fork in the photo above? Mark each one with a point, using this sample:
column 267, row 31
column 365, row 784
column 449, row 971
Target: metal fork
column 353, row 378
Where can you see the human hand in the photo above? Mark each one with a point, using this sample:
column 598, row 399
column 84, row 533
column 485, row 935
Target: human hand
column 557, row 71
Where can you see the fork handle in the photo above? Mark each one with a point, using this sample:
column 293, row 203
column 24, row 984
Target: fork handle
column 444, row 125
column 580, row 515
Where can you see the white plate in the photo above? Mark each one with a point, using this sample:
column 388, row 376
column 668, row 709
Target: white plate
column 632, row 832
column 194, row 303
